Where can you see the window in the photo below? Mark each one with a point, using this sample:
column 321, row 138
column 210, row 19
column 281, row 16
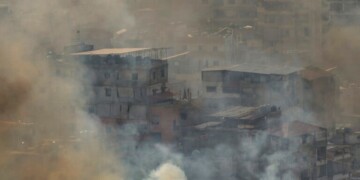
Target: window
column 107, row 75
column 219, row 2
column 154, row 75
column 174, row 126
column 210, row 89
column 219, row 13
column 306, row 32
column 118, row 75
column 322, row 171
column 162, row 72
column 337, row 7
column 321, row 153
column 108, row 92
column 155, row 120
column 215, row 48
column 134, row 76
column 120, row 108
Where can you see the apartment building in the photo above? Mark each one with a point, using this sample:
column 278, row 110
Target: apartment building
column 220, row 13
column 290, row 27
column 251, row 85
column 307, row 143
column 344, row 12
column 124, row 81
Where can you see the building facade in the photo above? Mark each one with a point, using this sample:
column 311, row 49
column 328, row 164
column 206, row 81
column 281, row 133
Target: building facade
column 124, row 81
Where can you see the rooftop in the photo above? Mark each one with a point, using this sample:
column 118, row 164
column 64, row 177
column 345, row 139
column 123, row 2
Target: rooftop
column 113, row 51
column 312, row 73
column 295, row 128
column 240, row 112
column 176, row 56
column 235, row 112
column 208, row 124
column 257, row 68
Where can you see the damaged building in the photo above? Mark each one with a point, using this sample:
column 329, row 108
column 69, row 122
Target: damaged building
column 308, row 88
column 124, row 81
column 251, row 85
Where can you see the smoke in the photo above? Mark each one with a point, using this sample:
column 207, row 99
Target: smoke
column 168, row 171
column 44, row 113
column 341, row 51
column 64, row 142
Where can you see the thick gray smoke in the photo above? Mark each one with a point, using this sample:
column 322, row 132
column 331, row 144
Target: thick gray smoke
column 31, row 92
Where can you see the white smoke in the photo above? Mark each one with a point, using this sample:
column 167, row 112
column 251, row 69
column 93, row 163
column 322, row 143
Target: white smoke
column 168, row 171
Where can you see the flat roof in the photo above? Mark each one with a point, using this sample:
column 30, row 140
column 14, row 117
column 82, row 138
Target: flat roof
column 235, row 112
column 113, row 51
column 257, row 68
column 295, row 128
column 208, row 124
column 312, row 73
column 176, row 56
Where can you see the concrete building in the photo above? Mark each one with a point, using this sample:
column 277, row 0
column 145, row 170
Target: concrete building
column 311, row 89
column 220, row 13
column 308, row 143
column 124, row 81
column 344, row 12
column 339, row 162
column 229, row 126
column 251, row 85
column 321, row 95
column 291, row 27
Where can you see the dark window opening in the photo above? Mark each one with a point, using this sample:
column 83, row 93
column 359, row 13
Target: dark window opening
column 118, row 76
column 155, row 120
column 219, row 2
column 154, row 75
column 219, row 13
column 134, row 77
column 162, row 72
column 108, row 92
column 321, row 153
column 306, row 31
column 107, row 75
column 210, row 89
